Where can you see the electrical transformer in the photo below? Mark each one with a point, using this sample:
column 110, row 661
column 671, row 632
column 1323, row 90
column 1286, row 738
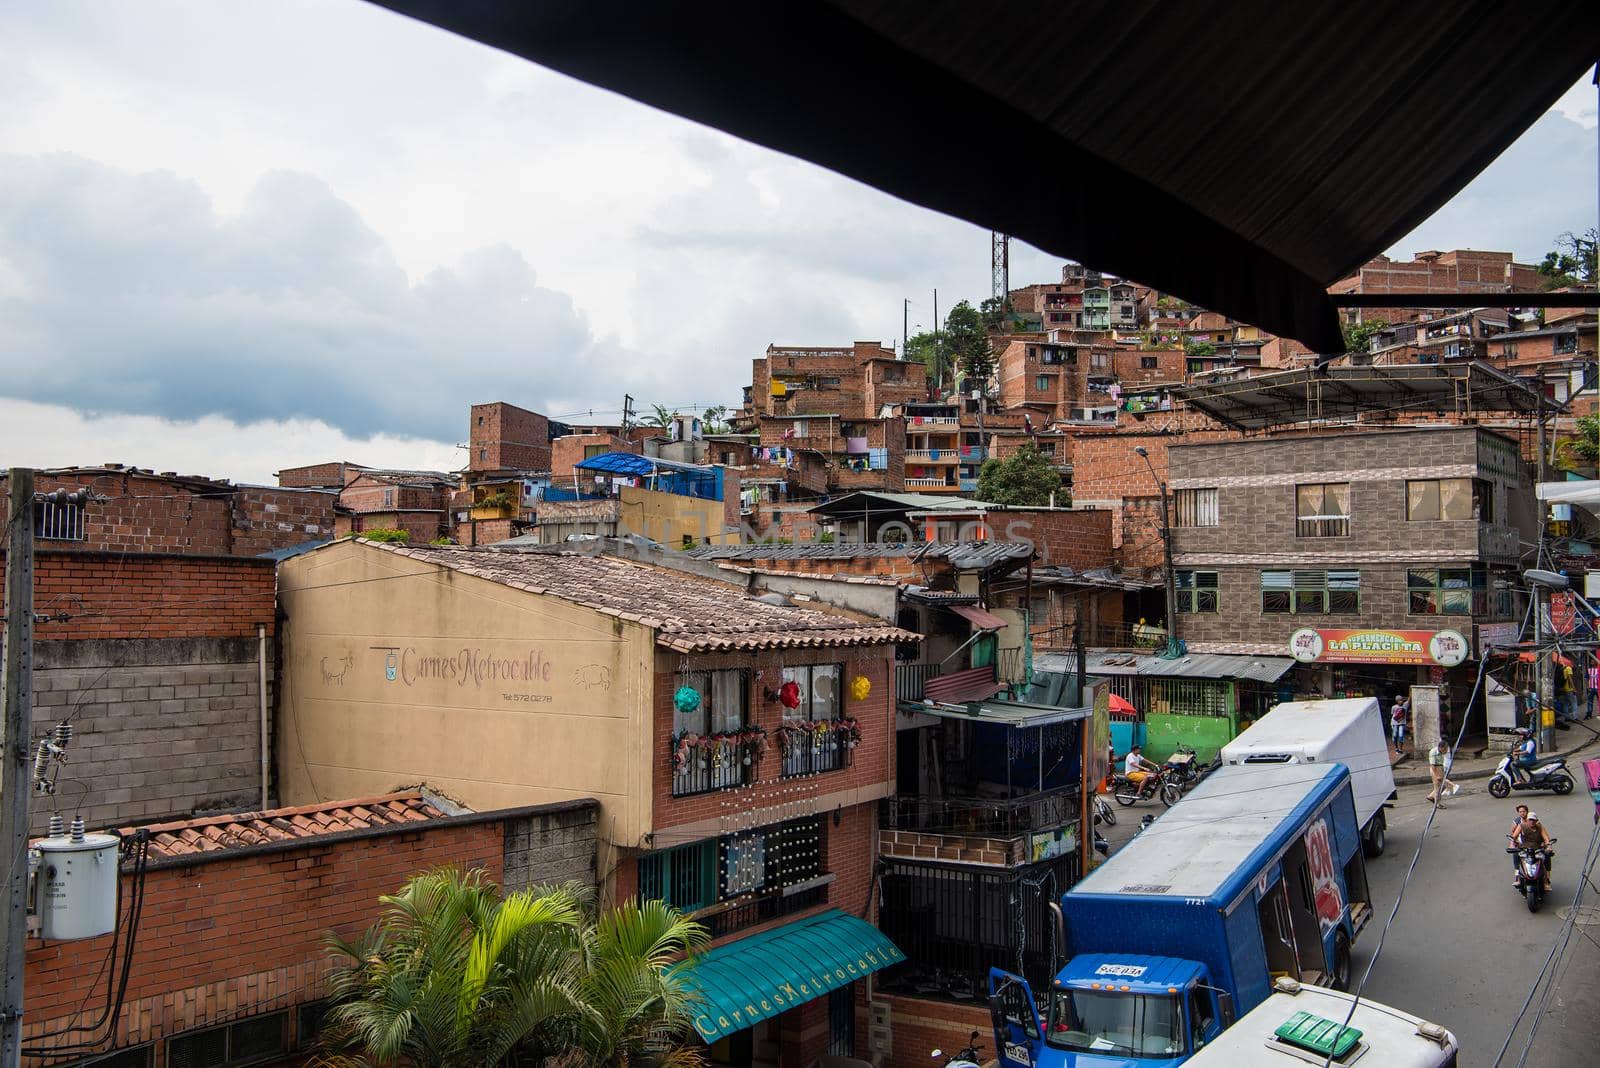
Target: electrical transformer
column 76, row 886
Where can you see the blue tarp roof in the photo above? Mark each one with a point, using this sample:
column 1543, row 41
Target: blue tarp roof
column 633, row 465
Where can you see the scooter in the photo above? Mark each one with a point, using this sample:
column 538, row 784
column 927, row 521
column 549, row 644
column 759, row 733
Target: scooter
column 969, row 1057
column 1550, row 775
column 1532, row 865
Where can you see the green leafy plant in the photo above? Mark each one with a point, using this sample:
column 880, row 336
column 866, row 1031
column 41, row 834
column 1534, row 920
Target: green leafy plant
column 1571, row 262
column 1026, row 478
column 1199, row 349
column 389, row 534
column 1358, row 336
column 498, row 499
column 458, row 975
column 443, row 539
column 968, row 345
column 1585, row 447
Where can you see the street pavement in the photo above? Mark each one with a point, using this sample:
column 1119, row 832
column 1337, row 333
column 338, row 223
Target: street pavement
column 1464, row 950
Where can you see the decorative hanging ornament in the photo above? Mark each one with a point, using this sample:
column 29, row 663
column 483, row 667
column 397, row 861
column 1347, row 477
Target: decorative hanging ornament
column 789, row 695
column 860, row 687
column 686, row 700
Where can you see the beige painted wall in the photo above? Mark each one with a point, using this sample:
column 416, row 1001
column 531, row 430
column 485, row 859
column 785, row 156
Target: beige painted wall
column 667, row 517
column 499, row 697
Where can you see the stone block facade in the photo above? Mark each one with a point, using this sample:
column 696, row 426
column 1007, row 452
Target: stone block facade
column 550, row 846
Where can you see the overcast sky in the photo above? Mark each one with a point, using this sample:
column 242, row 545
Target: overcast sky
column 241, row 236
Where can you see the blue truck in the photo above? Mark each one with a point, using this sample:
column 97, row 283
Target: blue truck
column 1258, row 874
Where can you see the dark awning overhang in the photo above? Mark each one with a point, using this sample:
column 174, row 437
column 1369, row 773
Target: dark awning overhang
column 1241, row 155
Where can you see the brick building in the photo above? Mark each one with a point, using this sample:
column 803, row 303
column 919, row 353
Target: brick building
column 157, row 660
column 570, row 449
column 857, row 453
column 417, row 502
column 1458, row 271
column 855, row 382
column 138, row 510
column 229, row 965
column 1415, row 530
column 502, row 437
column 333, row 475
column 737, row 746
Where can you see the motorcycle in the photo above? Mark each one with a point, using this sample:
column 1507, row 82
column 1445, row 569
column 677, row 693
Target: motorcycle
column 1509, row 775
column 969, row 1057
column 1532, row 866
column 1184, row 768
column 1156, row 783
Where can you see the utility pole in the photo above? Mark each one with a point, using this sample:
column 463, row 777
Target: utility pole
column 15, row 780
column 938, row 347
column 1000, row 267
column 627, row 412
column 1166, row 549
column 905, row 329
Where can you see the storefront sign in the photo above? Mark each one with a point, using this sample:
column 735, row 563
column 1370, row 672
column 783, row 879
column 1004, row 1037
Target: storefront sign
column 1497, row 636
column 1432, row 648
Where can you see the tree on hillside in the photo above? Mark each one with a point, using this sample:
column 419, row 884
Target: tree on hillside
column 995, row 313
column 714, row 419
column 1358, row 336
column 923, row 348
column 1025, row 478
column 968, row 344
column 455, row 975
column 1572, row 261
column 660, row 416
column 1585, row 447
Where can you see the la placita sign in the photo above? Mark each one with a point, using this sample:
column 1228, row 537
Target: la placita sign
column 1429, row 648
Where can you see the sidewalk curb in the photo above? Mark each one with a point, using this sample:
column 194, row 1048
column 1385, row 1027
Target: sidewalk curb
column 1425, row 779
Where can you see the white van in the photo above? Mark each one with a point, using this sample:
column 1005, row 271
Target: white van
column 1297, row 1024
column 1350, row 731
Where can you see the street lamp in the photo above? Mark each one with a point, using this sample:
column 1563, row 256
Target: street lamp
column 1166, row 548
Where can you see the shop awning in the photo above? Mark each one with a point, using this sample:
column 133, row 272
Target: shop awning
column 1002, row 713
column 978, row 617
column 755, row 978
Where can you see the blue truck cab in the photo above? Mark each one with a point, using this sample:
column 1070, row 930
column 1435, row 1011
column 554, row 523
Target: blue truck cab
column 1257, row 874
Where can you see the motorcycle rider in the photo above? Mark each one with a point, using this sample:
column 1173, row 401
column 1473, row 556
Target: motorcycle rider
column 1136, row 768
column 1530, row 834
column 1516, row 825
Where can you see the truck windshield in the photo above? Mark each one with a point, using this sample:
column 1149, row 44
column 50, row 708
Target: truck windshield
column 1103, row 1021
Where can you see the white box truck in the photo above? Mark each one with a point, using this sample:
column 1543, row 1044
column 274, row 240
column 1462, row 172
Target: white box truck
column 1299, row 1025
column 1349, row 731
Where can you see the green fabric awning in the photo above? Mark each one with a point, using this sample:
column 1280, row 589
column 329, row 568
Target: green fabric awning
column 745, row 982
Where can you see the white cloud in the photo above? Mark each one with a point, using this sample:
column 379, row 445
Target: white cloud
column 50, row 435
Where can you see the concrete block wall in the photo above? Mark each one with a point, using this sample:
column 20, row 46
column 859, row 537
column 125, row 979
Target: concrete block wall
column 162, row 728
column 551, row 846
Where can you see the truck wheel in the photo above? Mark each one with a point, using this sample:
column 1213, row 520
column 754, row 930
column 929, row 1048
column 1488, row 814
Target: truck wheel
column 1499, row 788
column 1561, row 783
column 1340, row 980
column 1377, row 835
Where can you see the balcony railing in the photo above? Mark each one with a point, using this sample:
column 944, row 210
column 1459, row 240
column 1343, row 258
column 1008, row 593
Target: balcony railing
column 1010, row 666
column 725, row 920
column 700, row 769
column 985, row 816
column 806, row 752
column 934, row 420
column 931, row 483
column 909, row 679
column 931, row 456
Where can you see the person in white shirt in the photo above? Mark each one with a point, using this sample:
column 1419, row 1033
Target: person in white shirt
column 1137, row 768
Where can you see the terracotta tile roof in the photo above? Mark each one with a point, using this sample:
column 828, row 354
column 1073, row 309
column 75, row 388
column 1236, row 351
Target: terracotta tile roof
column 688, row 613
column 239, row 830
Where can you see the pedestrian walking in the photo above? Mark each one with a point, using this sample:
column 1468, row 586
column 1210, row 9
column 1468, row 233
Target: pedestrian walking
column 1439, row 770
column 1397, row 723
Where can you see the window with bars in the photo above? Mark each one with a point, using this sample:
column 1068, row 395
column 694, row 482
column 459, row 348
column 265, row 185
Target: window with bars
column 764, row 860
column 1322, row 510
column 251, row 1041
column 1195, row 507
column 1148, row 363
column 1304, row 593
column 1447, row 591
column 724, row 701
column 1041, row 383
column 820, row 695
column 1197, row 591
column 58, row 522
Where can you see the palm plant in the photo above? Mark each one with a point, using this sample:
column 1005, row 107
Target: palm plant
column 660, row 416
column 455, row 975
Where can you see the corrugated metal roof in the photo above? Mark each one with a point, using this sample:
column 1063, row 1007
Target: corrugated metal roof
column 630, row 463
column 1194, row 665
column 965, row 555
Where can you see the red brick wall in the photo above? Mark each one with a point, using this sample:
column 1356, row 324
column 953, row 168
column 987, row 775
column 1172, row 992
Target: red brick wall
column 569, row 449
column 1079, row 540
column 113, row 595
column 319, row 476
column 921, row 1026
column 266, row 519
column 505, row 437
column 236, row 937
